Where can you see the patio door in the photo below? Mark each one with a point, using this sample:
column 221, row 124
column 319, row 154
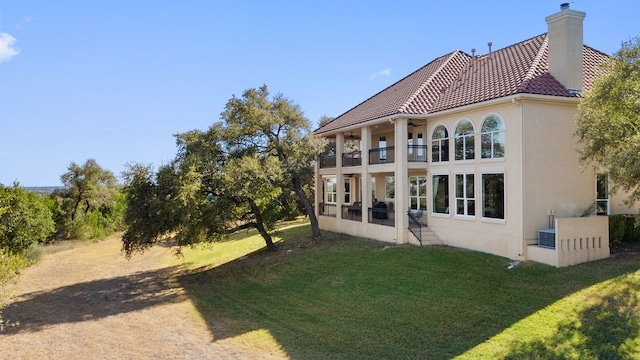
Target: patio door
column 418, row 194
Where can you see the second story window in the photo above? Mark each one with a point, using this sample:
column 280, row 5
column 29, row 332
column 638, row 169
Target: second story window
column 464, row 141
column 492, row 137
column 440, row 144
column 382, row 144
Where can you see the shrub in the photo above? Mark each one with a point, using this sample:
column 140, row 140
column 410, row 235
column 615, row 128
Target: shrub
column 10, row 265
column 25, row 219
column 623, row 228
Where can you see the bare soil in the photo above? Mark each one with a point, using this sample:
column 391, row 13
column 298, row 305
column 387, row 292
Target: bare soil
column 87, row 301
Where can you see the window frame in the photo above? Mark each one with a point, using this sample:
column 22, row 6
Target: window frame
column 483, row 203
column 420, row 198
column 466, row 140
column 442, row 144
column 382, row 148
column 465, row 197
column 331, row 195
column 599, row 199
column 501, row 133
column 347, row 190
column 435, row 208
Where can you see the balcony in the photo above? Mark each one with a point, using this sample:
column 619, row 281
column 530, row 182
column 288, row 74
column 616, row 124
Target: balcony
column 384, row 155
column 417, row 153
column 328, row 161
column 353, row 158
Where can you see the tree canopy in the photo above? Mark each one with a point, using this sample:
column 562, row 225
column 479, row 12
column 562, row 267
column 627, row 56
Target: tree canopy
column 90, row 205
column 237, row 174
column 608, row 121
column 24, row 219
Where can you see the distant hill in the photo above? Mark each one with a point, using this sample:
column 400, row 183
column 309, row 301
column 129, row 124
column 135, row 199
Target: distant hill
column 45, row 190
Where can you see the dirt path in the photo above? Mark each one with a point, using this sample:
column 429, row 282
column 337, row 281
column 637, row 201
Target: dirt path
column 89, row 302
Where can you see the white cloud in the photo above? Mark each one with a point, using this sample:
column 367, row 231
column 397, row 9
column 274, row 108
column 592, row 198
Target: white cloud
column 7, row 47
column 384, row 72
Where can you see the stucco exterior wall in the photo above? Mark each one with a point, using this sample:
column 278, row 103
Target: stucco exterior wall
column 554, row 179
column 358, row 229
column 499, row 237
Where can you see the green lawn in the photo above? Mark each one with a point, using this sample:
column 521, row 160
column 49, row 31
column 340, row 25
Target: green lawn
column 346, row 298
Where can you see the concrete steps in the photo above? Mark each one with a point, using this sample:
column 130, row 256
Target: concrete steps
column 428, row 238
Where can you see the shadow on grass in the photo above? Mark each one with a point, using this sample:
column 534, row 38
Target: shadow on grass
column 93, row 300
column 605, row 329
column 350, row 299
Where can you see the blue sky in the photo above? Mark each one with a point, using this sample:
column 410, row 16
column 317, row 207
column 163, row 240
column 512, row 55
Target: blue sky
column 114, row 80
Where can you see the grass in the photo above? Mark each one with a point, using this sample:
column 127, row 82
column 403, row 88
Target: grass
column 340, row 297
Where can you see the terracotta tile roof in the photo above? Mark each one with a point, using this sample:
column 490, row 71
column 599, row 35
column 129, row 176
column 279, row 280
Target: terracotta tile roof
column 457, row 79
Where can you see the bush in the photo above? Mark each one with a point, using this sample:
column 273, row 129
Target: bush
column 25, row 219
column 622, row 228
column 10, row 265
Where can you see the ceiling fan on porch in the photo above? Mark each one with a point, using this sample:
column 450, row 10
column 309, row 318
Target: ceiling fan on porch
column 411, row 123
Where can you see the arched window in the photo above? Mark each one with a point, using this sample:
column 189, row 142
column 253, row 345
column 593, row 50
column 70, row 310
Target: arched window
column 464, row 141
column 492, row 137
column 440, row 144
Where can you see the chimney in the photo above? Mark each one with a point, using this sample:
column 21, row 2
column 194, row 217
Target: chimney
column 565, row 47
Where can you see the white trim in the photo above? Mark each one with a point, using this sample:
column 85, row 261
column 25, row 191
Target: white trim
column 504, row 200
column 464, row 197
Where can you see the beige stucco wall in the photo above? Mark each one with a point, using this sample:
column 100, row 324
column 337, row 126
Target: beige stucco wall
column 553, row 176
column 358, row 229
column 578, row 240
column 500, row 237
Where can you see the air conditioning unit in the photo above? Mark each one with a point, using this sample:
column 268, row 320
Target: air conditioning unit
column 547, row 238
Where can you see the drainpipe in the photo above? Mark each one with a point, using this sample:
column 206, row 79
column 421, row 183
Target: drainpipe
column 522, row 175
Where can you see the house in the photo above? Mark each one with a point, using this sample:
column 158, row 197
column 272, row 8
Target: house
column 477, row 152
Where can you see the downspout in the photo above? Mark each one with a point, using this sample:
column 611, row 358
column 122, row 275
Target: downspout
column 522, row 148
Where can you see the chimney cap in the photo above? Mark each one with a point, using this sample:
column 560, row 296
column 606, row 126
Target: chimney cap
column 564, row 6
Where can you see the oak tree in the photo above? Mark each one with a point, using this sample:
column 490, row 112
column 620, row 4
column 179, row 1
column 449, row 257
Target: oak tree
column 608, row 121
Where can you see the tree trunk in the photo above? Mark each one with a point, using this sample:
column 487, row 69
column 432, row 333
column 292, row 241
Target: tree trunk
column 75, row 209
column 260, row 225
column 286, row 206
column 315, row 228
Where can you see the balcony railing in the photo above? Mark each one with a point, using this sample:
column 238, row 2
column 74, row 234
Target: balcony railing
column 417, row 153
column 353, row 158
column 381, row 216
column 327, row 209
column 386, row 155
column 328, row 161
column 352, row 212
column 382, row 156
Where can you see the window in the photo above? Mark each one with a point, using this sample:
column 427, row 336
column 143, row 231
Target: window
column 602, row 194
column 440, row 144
column 410, row 143
column 347, row 191
column 465, row 195
column 390, row 188
column 440, row 194
column 492, row 138
column 493, row 196
column 418, row 193
column 464, row 141
column 332, row 195
column 420, row 143
column 373, row 190
column 382, row 144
